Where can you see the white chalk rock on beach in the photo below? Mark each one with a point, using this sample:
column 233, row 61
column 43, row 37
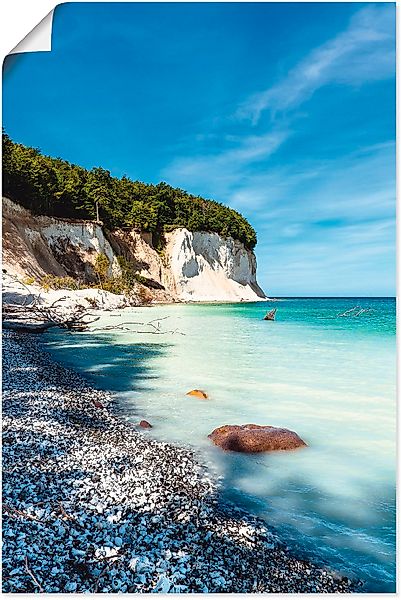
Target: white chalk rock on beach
column 16, row 292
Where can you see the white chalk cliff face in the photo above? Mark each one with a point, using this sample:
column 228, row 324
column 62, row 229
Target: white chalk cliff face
column 207, row 267
column 195, row 266
column 34, row 246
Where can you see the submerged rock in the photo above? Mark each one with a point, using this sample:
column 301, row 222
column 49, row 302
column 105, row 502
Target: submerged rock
column 198, row 394
column 255, row 438
column 145, row 424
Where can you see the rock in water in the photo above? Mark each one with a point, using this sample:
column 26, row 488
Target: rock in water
column 198, row 394
column 145, row 425
column 255, row 438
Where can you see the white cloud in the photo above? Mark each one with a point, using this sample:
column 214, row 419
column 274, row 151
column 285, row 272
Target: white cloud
column 328, row 223
column 361, row 181
column 225, row 168
column 363, row 52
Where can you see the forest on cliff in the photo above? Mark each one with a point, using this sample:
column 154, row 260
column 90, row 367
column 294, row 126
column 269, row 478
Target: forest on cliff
column 55, row 187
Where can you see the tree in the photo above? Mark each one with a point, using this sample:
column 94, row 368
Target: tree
column 101, row 267
column 53, row 186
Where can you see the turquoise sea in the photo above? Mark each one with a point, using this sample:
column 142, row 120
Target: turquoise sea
column 330, row 378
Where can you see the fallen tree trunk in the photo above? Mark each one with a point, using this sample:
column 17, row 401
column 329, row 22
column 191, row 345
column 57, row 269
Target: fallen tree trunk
column 37, row 318
column 27, row 327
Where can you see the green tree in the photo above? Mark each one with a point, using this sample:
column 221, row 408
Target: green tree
column 56, row 187
column 101, row 266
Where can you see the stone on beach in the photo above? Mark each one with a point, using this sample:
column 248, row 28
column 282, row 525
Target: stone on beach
column 198, row 394
column 255, row 438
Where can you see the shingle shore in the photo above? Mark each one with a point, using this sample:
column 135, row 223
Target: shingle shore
column 90, row 504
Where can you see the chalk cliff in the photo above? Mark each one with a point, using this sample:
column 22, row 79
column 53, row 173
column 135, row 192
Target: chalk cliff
column 193, row 266
column 206, row 267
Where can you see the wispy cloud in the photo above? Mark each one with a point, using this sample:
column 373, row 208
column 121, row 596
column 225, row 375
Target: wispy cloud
column 337, row 231
column 360, row 181
column 320, row 221
column 363, row 52
column 226, row 167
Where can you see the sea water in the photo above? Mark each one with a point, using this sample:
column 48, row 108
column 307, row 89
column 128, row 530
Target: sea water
column 327, row 375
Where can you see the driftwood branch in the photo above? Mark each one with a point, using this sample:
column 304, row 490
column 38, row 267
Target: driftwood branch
column 27, row 327
column 32, row 576
column 34, row 317
column 40, row 320
column 356, row 311
column 15, row 512
column 31, row 316
column 154, row 329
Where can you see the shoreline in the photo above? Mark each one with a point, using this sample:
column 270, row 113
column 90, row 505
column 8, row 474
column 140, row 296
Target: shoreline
column 15, row 291
column 93, row 504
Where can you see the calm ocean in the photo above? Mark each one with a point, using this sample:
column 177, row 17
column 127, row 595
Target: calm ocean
column 332, row 379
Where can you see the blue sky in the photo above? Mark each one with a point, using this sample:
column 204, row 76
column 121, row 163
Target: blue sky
column 286, row 112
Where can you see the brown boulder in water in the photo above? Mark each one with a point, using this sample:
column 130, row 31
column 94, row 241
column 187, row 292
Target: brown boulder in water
column 145, row 425
column 198, row 394
column 255, row 438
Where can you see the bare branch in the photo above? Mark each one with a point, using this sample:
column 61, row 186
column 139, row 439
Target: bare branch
column 159, row 319
column 155, row 330
column 355, row 312
column 32, row 576
column 33, row 317
column 12, row 511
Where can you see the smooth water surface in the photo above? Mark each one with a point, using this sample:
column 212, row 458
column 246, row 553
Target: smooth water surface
column 330, row 378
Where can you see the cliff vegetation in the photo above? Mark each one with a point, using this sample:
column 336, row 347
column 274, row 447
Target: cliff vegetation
column 55, row 187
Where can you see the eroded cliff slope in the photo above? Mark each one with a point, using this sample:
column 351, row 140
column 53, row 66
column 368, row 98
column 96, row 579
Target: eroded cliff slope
column 193, row 266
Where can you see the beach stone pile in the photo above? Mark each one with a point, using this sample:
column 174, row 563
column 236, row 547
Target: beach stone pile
column 92, row 504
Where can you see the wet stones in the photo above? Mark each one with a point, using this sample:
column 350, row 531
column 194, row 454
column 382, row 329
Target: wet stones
column 255, row 438
column 98, row 506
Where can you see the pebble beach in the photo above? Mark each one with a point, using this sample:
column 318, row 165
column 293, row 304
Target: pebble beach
column 93, row 504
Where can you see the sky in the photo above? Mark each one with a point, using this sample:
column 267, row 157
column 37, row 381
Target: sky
column 283, row 111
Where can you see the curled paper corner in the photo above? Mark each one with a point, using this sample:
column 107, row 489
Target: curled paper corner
column 39, row 39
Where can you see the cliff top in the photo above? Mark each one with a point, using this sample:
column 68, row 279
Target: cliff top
column 55, row 187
